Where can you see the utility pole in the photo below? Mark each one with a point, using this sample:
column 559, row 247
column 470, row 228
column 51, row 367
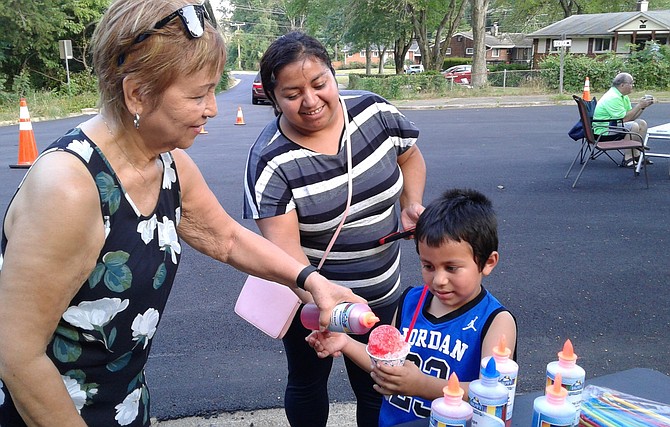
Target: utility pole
column 239, row 52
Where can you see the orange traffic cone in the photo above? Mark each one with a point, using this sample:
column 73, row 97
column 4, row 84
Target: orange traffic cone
column 202, row 130
column 240, row 117
column 27, row 147
column 586, row 96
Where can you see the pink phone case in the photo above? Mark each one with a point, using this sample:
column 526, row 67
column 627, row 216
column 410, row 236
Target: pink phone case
column 267, row 305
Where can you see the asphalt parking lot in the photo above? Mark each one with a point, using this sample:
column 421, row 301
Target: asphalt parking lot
column 589, row 264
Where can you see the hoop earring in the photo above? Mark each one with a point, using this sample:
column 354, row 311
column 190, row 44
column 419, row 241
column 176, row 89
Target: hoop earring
column 136, row 120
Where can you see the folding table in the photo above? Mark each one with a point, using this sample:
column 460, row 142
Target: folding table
column 656, row 132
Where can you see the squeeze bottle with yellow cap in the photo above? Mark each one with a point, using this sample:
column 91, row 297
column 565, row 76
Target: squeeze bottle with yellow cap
column 347, row 317
column 509, row 370
column 552, row 409
column 451, row 410
column 572, row 376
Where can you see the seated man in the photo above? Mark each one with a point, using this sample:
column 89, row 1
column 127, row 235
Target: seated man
column 615, row 105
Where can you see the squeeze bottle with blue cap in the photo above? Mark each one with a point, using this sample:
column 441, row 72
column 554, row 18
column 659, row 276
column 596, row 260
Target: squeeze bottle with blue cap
column 451, row 410
column 347, row 317
column 509, row 370
column 572, row 375
column 487, row 395
column 552, row 409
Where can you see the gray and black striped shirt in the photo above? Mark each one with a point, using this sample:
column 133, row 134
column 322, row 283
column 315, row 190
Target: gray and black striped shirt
column 282, row 176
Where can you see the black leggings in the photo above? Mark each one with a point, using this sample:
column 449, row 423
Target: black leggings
column 306, row 397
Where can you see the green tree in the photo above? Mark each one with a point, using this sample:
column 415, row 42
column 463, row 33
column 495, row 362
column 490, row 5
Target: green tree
column 434, row 22
column 254, row 24
column 370, row 25
column 29, row 40
column 84, row 16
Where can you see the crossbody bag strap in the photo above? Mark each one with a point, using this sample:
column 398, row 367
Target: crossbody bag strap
column 349, row 185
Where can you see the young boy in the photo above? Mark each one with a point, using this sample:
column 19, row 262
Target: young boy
column 459, row 322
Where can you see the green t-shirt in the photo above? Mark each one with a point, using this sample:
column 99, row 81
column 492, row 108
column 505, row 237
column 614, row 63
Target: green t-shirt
column 612, row 106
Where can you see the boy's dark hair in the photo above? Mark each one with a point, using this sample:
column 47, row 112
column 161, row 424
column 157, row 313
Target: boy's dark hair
column 460, row 215
column 286, row 50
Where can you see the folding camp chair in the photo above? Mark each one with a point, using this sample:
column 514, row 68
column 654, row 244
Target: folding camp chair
column 577, row 133
column 595, row 147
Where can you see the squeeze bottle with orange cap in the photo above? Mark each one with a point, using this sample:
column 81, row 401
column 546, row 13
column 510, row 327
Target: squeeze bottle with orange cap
column 347, row 317
column 451, row 410
column 552, row 409
column 572, row 376
column 509, row 370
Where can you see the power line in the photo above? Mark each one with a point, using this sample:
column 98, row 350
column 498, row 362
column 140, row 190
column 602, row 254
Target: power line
column 253, row 9
column 257, row 24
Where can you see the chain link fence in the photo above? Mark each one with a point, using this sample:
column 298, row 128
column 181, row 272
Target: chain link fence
column 514, row 78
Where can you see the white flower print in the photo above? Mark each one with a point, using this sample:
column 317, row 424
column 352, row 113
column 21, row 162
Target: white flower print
column 177, row 215
column 91, row 315
column 83, row 148
column 144, row 326
column 167, row 238
column 169, row 174
column 127, row 411
column 146, row 229
column 2, row 395
column 76, row 393
column 108, row 226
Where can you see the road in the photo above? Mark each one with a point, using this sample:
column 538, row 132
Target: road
column 589, row 264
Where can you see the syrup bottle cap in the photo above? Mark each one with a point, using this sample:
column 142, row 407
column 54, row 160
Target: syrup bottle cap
column 490, row 371
column 501, row 349
column 453, row 388
column 556, row 390
column 368, row 319
column 568, row 353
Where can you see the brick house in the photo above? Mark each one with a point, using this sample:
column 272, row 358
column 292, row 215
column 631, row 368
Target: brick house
column 349, row 55
column 504, row 48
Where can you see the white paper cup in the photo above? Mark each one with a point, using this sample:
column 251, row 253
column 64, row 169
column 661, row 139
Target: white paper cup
column 396, row 360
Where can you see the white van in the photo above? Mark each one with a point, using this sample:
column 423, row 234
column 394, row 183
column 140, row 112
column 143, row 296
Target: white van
column 414, row 69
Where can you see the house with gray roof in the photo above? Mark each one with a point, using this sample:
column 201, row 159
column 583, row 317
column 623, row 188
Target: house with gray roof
column 598, row 33
column 500, row 47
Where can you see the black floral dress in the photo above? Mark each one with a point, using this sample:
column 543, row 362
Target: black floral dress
column 103, row 339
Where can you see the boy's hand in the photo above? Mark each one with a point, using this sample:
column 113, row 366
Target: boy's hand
column 327, row 343
column 404, row 380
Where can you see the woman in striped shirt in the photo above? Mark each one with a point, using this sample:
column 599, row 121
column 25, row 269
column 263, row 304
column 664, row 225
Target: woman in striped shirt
column 299, row 184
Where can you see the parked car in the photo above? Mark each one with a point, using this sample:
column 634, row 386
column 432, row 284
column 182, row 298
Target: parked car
column 257, row 92
column 461, row 74
column 414, row 69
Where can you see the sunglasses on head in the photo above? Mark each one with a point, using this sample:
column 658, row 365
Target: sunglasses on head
column 192, row 18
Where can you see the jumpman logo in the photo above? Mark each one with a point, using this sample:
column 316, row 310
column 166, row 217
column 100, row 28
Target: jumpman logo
column 471, row 325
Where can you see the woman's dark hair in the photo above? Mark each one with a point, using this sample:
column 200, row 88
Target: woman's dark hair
column 287, row 49
column 460, row 215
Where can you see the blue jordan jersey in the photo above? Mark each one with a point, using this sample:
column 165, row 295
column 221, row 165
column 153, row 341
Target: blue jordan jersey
column 440, row 346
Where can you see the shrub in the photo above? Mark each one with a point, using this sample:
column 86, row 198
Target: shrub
column 353, row 66
column 508, row 67
column 450, row 62
column 650, row 67
column 400, row 86
column 21, row 85
column 5, row 97
column 80, row 83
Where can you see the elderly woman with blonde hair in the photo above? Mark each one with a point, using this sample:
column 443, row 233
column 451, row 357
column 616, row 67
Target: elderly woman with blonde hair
column 92, row 239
